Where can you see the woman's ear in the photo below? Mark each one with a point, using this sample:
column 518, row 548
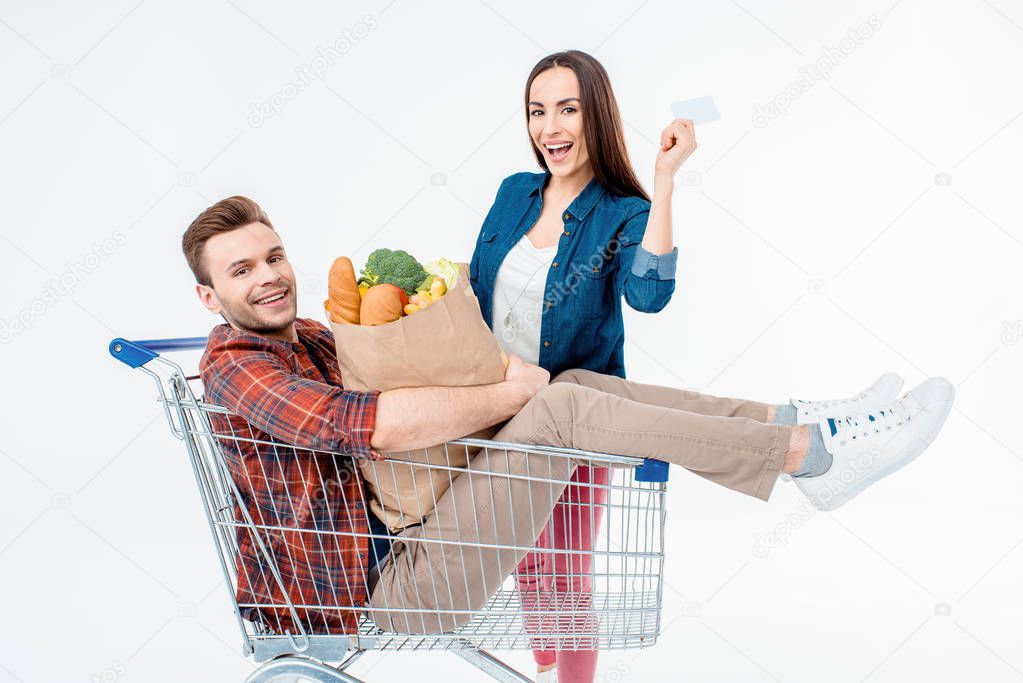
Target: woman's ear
column 208, row 298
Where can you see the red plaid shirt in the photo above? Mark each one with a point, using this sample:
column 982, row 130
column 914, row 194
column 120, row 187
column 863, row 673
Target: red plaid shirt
column 291, row 393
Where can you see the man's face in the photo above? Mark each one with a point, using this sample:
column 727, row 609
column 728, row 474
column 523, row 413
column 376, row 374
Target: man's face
column 253, row 285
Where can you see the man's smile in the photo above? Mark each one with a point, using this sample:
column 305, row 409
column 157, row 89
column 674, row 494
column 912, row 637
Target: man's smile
column 274, row 299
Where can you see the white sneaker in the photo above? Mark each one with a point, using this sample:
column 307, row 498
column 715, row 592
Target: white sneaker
column 877, row 396
column 868, row 447
column 549, row 676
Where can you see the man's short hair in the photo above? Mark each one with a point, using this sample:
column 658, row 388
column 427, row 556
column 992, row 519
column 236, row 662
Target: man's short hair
column 224, row 216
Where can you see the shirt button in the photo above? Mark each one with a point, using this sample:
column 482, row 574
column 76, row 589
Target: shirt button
column 567, row 215
column 554, row 265
column 361, row 556
column 546, row 344
column 568, row 232
column 550, row 304
column 358, row 506
column 309, row 372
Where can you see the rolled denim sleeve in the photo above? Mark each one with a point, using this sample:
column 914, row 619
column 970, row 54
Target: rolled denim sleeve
column 661, row 265
column 646, row 280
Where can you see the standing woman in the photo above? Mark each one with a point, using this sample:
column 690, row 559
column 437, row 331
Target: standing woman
column 556, row 254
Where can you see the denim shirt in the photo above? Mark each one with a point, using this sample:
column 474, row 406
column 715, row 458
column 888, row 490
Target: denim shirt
column 599, row 260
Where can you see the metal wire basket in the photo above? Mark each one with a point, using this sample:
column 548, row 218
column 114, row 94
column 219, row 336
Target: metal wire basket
column 603, row 591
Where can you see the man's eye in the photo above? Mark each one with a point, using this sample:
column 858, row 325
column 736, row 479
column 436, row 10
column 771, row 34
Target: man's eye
column 275, row 259
column 241, row 271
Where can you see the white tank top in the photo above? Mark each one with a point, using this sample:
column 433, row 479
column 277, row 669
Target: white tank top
column 518, row 299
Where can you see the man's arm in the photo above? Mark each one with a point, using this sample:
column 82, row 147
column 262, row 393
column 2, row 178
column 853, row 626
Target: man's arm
column 255, row 384
column 424, row 416
column 258, row 386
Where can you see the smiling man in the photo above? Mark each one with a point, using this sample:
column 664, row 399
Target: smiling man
column 278, row 376
column 270, row 311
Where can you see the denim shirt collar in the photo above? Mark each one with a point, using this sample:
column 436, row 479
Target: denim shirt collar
column 582, row 204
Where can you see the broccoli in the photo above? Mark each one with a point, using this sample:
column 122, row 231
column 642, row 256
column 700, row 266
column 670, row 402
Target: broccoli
column 396, row 267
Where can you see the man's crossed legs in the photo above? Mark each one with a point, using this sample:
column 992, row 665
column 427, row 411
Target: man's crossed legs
column 446, row 568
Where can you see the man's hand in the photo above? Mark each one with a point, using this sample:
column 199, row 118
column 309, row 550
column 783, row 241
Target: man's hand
column 529, row 379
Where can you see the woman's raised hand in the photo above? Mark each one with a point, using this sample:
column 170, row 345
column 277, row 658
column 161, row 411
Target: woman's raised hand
column 678, row 141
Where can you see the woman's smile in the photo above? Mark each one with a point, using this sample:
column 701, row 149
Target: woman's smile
column 557, row 151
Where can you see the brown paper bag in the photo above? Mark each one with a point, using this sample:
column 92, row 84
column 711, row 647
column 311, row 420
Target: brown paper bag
column 447, row 344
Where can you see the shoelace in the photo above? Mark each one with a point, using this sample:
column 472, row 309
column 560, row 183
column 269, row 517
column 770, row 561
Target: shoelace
column 830, row 403
column 866, row 425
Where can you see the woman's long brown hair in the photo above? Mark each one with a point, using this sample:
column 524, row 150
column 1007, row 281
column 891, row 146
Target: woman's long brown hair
column 602, row 123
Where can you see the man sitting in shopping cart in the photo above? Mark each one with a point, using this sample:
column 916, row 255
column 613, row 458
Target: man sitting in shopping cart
column 278, row 376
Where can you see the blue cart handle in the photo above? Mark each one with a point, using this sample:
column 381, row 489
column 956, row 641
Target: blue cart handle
column 137, row 353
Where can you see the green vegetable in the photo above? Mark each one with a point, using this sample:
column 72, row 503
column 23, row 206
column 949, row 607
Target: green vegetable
column 444, row 268
column 396, row 267
column 424, row 286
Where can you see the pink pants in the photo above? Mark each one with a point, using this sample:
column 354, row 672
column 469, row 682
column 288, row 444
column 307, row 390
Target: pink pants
column 560, row 584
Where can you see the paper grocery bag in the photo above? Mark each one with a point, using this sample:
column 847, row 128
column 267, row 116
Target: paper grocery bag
column 447, row 344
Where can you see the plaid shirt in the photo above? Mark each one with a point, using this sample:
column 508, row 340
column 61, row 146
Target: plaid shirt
column 291, row 393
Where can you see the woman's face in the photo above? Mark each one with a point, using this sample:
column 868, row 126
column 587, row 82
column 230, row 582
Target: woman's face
column 556, row 121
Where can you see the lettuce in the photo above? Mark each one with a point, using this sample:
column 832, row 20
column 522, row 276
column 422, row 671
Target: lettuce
column 443, row 268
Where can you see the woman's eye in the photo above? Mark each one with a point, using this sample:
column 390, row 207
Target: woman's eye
column 568, row 110
column 536, row 112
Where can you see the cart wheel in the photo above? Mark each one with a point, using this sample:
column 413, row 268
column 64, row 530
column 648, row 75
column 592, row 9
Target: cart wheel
column 292, row 669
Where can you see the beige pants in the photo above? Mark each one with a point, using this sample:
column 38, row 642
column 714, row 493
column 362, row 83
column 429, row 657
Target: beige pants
column 436, row 581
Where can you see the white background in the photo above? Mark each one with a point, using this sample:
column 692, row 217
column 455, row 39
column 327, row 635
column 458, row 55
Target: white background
column 815, row 252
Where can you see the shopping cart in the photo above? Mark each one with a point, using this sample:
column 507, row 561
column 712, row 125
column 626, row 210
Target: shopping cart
column 616, row 604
